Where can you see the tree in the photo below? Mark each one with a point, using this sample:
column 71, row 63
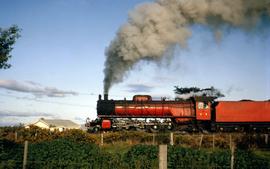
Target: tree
column 8, row 38
column 188, row 92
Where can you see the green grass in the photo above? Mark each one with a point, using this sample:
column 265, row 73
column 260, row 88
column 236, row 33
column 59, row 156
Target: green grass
column 117, row 147
column 265, row 154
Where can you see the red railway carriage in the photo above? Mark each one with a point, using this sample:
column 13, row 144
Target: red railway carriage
column 242, row 111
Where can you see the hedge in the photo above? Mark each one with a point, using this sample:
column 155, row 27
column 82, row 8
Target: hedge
column 72, row 154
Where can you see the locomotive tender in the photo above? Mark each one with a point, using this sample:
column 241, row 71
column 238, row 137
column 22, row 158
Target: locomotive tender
column 194, row 114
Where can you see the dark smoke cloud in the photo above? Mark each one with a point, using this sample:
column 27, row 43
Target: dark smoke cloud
column 152, row 28
column 34, row 88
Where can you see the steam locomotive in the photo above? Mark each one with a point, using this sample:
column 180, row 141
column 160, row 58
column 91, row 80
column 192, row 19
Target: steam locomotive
column 197, row 114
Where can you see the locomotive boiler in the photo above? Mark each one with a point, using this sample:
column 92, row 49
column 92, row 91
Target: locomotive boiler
column 194, row 114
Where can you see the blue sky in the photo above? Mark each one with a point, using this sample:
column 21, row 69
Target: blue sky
column 61, row 50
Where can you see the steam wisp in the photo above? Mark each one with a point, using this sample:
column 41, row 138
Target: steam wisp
column 153, row 27
column 189, row 92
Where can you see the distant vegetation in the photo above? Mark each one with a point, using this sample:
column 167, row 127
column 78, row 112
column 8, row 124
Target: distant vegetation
column 78, row 149
column 35, row 135
column 19, row 134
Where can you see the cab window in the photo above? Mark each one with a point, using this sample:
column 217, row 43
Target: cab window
column 202, row 105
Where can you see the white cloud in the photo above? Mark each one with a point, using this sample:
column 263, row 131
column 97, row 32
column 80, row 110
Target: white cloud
column 139, row 88
column 11, row 118
column 6, row 113
column 34, row 88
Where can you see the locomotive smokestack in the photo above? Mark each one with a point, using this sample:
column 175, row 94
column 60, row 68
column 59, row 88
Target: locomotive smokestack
column 99, row 97
column 154, row 28
column 105, row 96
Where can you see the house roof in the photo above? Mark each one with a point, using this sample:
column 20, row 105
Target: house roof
column 60, row 123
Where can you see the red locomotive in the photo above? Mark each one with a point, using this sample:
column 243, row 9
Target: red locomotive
column 194, row 114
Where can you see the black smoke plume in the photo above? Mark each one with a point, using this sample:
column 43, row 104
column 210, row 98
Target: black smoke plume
column 152, row 28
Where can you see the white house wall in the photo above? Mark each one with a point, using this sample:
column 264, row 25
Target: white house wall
column 41, row 125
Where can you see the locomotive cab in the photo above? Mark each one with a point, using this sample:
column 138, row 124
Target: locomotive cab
column 203, row 108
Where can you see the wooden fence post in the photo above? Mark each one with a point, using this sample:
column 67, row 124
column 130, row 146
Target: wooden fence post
column 232, row 148
column 201, row 139
column 266, row 139
column 232, row 156
column 213, row 141
column 25, row 152
column 171, row 140
column 230, row 141
column 162, row 156
column 101, row 139
column 154, row 139
column 16, row 136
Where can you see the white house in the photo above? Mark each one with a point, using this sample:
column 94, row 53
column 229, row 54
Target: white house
column 55, row 124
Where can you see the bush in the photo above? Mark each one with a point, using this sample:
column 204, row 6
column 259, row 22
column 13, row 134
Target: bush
column 76, row 136
column 35, row 135
column 61, row 153
column 247, row 159
column 142, row 157
column 187, row 158
column 11, row 154
column 179, row 157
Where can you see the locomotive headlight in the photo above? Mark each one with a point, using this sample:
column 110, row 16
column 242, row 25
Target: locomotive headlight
column 155, row 127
